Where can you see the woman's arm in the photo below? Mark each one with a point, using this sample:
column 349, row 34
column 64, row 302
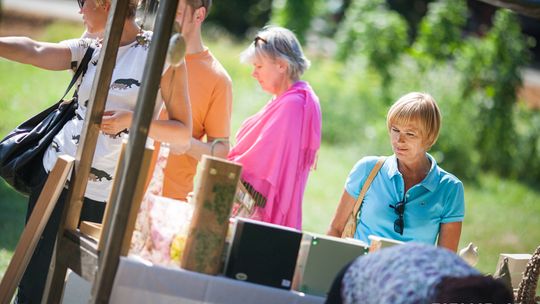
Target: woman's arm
column 449, row 235
column 344, row 209
column 177, row 129
column 45, row 55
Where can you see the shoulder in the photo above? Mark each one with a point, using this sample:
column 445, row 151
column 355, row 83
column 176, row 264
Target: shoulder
column 448, row 179
column 364, row 165
column 79, row 43
column 219, row 71
column 209, row 67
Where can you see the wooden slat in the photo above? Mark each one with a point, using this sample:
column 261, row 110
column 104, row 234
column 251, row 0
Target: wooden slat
column 96, row 106
column 91, row 229
column 112, row 197
column 138, row 193
column 34, row 227
column 80, row 254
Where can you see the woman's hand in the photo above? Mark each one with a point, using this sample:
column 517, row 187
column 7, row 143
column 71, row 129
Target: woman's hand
column 116, row 121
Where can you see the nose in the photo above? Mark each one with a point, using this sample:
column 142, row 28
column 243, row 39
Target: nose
column 401, row 137
column 254, row 73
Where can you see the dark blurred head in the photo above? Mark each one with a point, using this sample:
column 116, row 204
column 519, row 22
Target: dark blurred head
column 472, row 289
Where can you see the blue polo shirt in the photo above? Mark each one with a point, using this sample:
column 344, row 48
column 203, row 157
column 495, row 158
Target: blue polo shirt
column 437, row 199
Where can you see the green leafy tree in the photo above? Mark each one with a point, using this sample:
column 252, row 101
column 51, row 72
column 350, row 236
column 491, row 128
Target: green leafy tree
column 238, row 17
column 371, row 29
column 440, row 32
column 295, row 15
column 490, row 68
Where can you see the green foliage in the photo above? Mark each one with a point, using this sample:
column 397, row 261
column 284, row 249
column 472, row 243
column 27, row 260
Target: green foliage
column 295, row 15
column 351, row 105
column 239, row 17
column 491, row 76
column 440, row 33
column 527, row 160
column 371, row 29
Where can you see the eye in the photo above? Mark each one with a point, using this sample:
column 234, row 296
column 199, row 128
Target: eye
column 394, row 130
column 411, row 134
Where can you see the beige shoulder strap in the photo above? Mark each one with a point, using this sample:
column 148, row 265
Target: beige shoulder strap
column 365, row 188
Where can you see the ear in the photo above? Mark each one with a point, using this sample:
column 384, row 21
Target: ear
column 200, row 14
column 107, row 6
column 283, row 65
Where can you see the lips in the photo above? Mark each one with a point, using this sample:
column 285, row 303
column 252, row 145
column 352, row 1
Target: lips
column 399, row 150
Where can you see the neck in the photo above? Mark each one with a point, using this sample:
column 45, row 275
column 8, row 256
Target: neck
column 194, row 43
column 418, row 168
column 129, row 34
column 284, row 86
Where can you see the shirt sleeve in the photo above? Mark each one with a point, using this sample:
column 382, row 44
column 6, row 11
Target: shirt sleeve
column 454, row 207
column 358, row 175
column 218, row 118
column 77, row 48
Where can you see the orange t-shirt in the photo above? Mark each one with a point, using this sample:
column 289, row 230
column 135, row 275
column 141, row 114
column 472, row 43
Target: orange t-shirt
column 210, row 93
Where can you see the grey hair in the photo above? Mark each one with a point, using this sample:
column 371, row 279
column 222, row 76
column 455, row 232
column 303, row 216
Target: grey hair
column 278, row 43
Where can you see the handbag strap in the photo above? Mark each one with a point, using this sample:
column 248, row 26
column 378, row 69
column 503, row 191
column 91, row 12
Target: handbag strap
column 365, row 188
column 80, row 69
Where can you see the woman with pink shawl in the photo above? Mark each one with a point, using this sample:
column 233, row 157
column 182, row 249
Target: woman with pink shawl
column 277, row 147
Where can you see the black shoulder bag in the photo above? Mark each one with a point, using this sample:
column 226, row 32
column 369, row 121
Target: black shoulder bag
column 22, row 150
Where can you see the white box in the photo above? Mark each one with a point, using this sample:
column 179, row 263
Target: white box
column 517, row 262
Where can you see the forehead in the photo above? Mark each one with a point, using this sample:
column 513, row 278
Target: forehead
column 261, row 59
column 407, row 123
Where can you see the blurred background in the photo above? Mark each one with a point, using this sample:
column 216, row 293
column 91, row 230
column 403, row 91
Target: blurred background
column 480, row 62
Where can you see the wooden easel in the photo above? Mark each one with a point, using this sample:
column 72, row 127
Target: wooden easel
column 79, row 252
column 35, row 226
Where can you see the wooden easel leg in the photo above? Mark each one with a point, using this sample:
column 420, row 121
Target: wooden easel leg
column 34, row 227
column 54, row 289
column 123, row 223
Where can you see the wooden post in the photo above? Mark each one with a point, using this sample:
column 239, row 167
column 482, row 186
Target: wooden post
column 214, row 196
column 134, row 154
column 105, row 227
column 98, row 98
column 35, row 226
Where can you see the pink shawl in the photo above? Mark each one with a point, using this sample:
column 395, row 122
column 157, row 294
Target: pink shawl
column 277, row 147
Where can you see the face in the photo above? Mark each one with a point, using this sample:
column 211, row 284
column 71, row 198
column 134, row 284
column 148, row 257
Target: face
column 407, row 141
column 269, row 73
column 94, row 16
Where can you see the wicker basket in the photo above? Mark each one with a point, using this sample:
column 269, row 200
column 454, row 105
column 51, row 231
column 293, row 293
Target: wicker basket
column 526, row 293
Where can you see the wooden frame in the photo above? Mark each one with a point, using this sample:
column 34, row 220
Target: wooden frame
column 34, row 227
column 79, row 250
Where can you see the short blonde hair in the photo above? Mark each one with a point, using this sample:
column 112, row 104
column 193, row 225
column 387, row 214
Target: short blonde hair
column 417, row 107
column 278, row 43
column 132, row 7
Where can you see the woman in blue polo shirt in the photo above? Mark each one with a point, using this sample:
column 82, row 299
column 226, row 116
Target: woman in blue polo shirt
column 411, row 198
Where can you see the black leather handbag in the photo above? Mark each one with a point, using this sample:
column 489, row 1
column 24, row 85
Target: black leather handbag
column 22, row 150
